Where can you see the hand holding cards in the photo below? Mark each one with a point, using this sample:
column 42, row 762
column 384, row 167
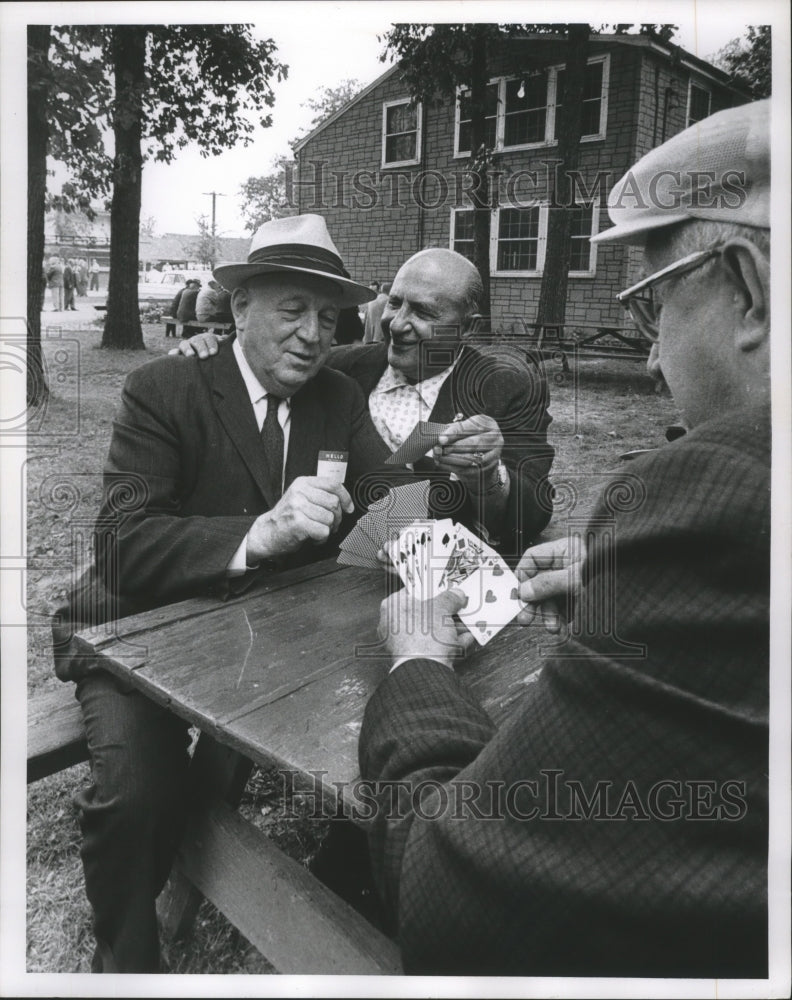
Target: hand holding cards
column 433, row 556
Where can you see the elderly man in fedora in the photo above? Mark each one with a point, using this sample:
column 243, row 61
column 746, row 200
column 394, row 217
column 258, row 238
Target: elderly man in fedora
column 617, row 823
column 217, row 467
column 495, row 400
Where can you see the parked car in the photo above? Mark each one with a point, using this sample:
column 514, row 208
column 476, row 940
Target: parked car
column 160, row 286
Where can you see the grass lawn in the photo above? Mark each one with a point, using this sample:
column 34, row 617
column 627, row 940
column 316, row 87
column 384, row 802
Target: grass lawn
column 602, row 410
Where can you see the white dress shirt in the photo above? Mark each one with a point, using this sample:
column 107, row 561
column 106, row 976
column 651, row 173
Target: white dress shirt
column 396, row 406
column 258, row 398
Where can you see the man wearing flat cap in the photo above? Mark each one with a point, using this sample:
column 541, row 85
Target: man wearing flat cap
column 210, row 482
column 617, row 823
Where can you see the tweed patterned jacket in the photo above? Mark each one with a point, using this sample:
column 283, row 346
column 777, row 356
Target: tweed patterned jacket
column 630, row 838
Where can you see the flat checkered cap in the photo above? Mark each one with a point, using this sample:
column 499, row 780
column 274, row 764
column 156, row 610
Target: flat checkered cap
column 718, row 169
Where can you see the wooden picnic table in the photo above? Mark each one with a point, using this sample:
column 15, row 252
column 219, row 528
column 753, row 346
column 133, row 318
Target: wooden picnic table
column 280, row 676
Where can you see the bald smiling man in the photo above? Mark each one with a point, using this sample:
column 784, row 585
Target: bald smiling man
column 427, row 369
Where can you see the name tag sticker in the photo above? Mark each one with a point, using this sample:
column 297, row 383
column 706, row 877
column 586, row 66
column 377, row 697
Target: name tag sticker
column 332, row 465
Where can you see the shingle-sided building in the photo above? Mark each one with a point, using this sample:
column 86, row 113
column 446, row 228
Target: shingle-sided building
column 391, row 178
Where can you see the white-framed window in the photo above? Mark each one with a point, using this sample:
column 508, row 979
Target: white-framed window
column 699, row 104
column 401, row 133
column 462, row 129
column 583, row 224
column 525, row 110
column 595, row 98
column 462, row 231
column 518, row 239
column 522, row 110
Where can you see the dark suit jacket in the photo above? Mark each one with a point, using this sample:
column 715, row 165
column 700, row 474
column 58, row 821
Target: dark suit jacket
column 687, row 577
column 185, row 479
column 502, row 385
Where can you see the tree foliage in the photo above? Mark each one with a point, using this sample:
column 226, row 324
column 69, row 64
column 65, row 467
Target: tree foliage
column 207, row 248
column 159, row 88
column 269, row 195
column 328, row 100
column 749, row 60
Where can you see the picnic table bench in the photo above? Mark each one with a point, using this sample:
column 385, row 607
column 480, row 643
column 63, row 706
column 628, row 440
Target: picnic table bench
column 278, row 677
column 193, row 324
column 582, row 341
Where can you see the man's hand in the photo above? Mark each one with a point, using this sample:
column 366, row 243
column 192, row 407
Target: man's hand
column 550, row 573
column 471, row 450
column 424, row 628
column 202, row 344
column 309, row 511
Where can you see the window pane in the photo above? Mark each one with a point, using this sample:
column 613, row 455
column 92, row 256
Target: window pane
column 699, row 104
column 463, row 233
column 579, row 256
column 580, row 221
column 519, row 223
column 579, row 232
column 526, row 116
column 592, row 99
column 516, row 256
column 592, row 86
column 400, row 147
column 490, row 122
column 534, row 93
column 518, row 239
column 401, row 118
column 590, row 119
column 528, row 126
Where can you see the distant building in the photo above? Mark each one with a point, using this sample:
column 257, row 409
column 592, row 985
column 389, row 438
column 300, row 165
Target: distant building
column 73, row 234
column 390, row 178
column 180, row 251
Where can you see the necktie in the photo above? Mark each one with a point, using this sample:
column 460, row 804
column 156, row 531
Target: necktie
column 272, row 440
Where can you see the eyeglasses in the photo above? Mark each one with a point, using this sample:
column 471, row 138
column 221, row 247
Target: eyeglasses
column 642, row 307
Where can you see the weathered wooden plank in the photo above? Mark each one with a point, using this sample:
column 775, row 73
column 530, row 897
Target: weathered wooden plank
column 315, row 727
column 55, row 736
column 112, row 639
column 242, row 655
column 298, row 924
column 283, row 677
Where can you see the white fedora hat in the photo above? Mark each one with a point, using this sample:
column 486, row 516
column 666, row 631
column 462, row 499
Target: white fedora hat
column 298, row 243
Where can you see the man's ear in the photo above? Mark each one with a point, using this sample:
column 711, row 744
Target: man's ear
column 749, row 273
column 239, row 306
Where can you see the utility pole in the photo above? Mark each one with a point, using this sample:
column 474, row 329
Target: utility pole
column 214, row 196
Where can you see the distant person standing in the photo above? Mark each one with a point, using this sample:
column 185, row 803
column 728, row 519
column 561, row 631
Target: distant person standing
column 55, row 283
column 69, row 285
column 373, row 327
column 94, row 269
column 82, row 278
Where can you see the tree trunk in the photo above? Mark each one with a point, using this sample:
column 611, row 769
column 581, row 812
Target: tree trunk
column 122, row 325
column 479, row 162
column 553, row 292
column 38, row 42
